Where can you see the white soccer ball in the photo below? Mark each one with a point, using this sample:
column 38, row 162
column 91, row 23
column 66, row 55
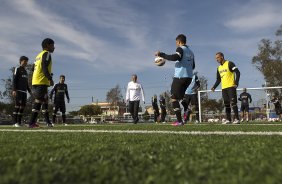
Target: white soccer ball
column 159, row 61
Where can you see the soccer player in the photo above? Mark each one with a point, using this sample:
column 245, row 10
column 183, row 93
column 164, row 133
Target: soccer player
column 183, row 73
column 191, row 96
column 277, row 105
column 20, row 88
column 163, row 108
column 134, row 94
column 245, row 98
column 156, row 108
column 41, row 80
column 61, row 90
column 229, row 75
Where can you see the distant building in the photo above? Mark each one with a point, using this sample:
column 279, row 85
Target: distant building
column 111, row 110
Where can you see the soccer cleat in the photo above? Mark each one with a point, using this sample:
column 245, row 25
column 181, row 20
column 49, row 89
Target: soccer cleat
column 18, row 125
column 33, row 125
column 164, row 122
column 236, row 121
column 224, row 122
column 177, row 123
column 65, row 124
column 197, row 122
column 50, row 125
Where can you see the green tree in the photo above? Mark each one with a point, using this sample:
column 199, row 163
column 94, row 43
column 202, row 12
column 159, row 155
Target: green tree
column 268, row 59
column 74, row 113
column 114, row 95
column 90, row 110
column 146, row 115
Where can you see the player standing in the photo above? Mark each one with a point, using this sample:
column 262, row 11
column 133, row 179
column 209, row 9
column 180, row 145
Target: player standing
column 61, row 90
column 155, row 108
column 229, row 75
column 245, row 98
column 20, row 88
column 134, row 94
column 183, row 73
column 163, row 108
column 41, row 80
column 277, row 105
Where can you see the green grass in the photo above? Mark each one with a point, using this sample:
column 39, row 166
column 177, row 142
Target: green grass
column 48, row 157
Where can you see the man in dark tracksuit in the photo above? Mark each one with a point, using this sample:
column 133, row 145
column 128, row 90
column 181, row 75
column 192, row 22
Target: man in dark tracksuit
column 277, row 105
column 60, row 89
column 156, row 108
column 20, row 88
column 163, row 108
column 245, row 98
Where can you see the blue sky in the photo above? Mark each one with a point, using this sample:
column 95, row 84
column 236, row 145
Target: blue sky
column 100, row 44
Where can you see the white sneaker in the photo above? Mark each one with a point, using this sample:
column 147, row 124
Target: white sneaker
column 197, row 122
column 66, row 124
column 164, row 122
column 225, row 122
column 236, row 121
column 17, row 125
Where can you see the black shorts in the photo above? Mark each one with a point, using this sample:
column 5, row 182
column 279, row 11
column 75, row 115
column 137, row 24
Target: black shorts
column 178, row 87
column 60, row 106
column 278, row 111
column 193, row 99
column 229, row 95
column 21, row 98
column 40, row 92
column 245, row 108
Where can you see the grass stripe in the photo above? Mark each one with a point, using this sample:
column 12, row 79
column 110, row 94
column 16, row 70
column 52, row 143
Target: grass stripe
column 149, row 132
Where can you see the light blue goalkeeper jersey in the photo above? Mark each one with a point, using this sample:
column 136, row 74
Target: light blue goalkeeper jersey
column 191, row 88
column 184, row 67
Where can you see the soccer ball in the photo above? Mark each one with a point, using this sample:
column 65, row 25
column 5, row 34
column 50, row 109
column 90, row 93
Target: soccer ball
column 159, row 61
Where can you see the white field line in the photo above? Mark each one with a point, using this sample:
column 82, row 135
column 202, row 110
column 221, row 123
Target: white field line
column 148, row 132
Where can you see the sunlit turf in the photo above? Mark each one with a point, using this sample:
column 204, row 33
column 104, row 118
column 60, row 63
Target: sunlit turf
column 47, row 157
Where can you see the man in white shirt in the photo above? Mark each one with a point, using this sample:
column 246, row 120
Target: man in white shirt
column 134, row 94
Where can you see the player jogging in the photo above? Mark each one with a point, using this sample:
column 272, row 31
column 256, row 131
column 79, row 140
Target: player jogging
column 191, row 97
column 20, row 88
column 41, row 80
column 245, row 98
column 183, row 73
column 229, row 75
column 61, row 90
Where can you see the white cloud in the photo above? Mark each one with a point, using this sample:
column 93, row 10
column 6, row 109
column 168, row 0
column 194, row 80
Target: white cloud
column 29, row 22
column 255, row 16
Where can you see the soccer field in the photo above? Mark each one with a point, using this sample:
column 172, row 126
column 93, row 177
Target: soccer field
column 142, row 153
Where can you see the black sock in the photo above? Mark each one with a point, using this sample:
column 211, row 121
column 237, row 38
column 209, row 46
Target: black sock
column 20, row 115
column 64, row 118
column 235, row 110
column 35, row 110
column 15, row 114
column 177, row 110
column 46, row 113
column 228, row 113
